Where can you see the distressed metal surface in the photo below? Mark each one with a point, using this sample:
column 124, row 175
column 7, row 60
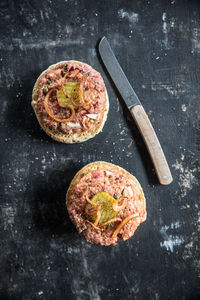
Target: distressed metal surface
column 41, row 255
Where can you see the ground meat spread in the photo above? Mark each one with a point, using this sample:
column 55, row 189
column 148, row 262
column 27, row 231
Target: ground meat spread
column 117, row 185
column 78, row 116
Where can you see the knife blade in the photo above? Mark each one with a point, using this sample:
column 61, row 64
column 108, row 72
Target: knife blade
column 137, row 111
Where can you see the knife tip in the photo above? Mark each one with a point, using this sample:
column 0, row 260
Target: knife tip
column 102, row 39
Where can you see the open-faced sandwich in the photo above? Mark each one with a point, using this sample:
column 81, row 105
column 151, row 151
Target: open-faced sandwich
column 70, row 101
column 105, row 202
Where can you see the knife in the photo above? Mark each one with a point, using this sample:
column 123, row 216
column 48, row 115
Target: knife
column 137, row 111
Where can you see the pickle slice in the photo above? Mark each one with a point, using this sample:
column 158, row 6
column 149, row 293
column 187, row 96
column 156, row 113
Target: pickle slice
column 107, row 212
column 71, row 90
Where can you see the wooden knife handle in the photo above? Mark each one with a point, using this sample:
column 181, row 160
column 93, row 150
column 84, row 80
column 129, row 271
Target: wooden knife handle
column 152, row 144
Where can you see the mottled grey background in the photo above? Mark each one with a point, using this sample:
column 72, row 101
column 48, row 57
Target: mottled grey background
column 158, row 46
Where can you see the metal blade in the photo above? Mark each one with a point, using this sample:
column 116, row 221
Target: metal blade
column 117, row 74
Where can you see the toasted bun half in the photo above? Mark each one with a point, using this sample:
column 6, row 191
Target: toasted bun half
column 76, row 203
column 106, row 166
column 57, row 135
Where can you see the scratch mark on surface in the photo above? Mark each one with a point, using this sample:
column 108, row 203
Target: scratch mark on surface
column 92, row 285
column 40, row 293
column 172, row 23
column 8, row 215
column 117, row 105
column 170, row 241
column 165, row 31
column 173, row 90
column 40, row 44
column 129, row 154
column 84, row 284
column 192, row 247
column 132, row 17
column 187, row 177
column 7, row 77
column 196, row 40
column 125, row 278
column 183, row 107
column 157, row 296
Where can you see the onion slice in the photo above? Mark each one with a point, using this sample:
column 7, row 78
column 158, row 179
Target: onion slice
column 90, row 209
column 81, row 88
column 76, row 104
column 111, row 221
column 51, row 114
column 95, row 209
column 92, row 116
column 87, row 104
column 74, row 125
column 124, row 222
column 117, row 207
column 73, row 74
column 98, row 215
column 108, row 173
column 128, row 192
column 94, row 226
column 63, row 89
column 89, row 201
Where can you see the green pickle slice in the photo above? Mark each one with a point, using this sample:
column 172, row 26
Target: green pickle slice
column 106, row 201
column 71, row 89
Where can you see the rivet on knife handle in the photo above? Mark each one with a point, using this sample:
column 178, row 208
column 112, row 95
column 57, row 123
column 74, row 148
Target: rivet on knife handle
column 152, row 144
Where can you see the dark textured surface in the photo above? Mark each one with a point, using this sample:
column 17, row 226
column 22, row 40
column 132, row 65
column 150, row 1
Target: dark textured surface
column 41, row 255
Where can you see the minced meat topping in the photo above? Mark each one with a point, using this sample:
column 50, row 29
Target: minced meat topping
column 71, row 97
column 124, row 212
